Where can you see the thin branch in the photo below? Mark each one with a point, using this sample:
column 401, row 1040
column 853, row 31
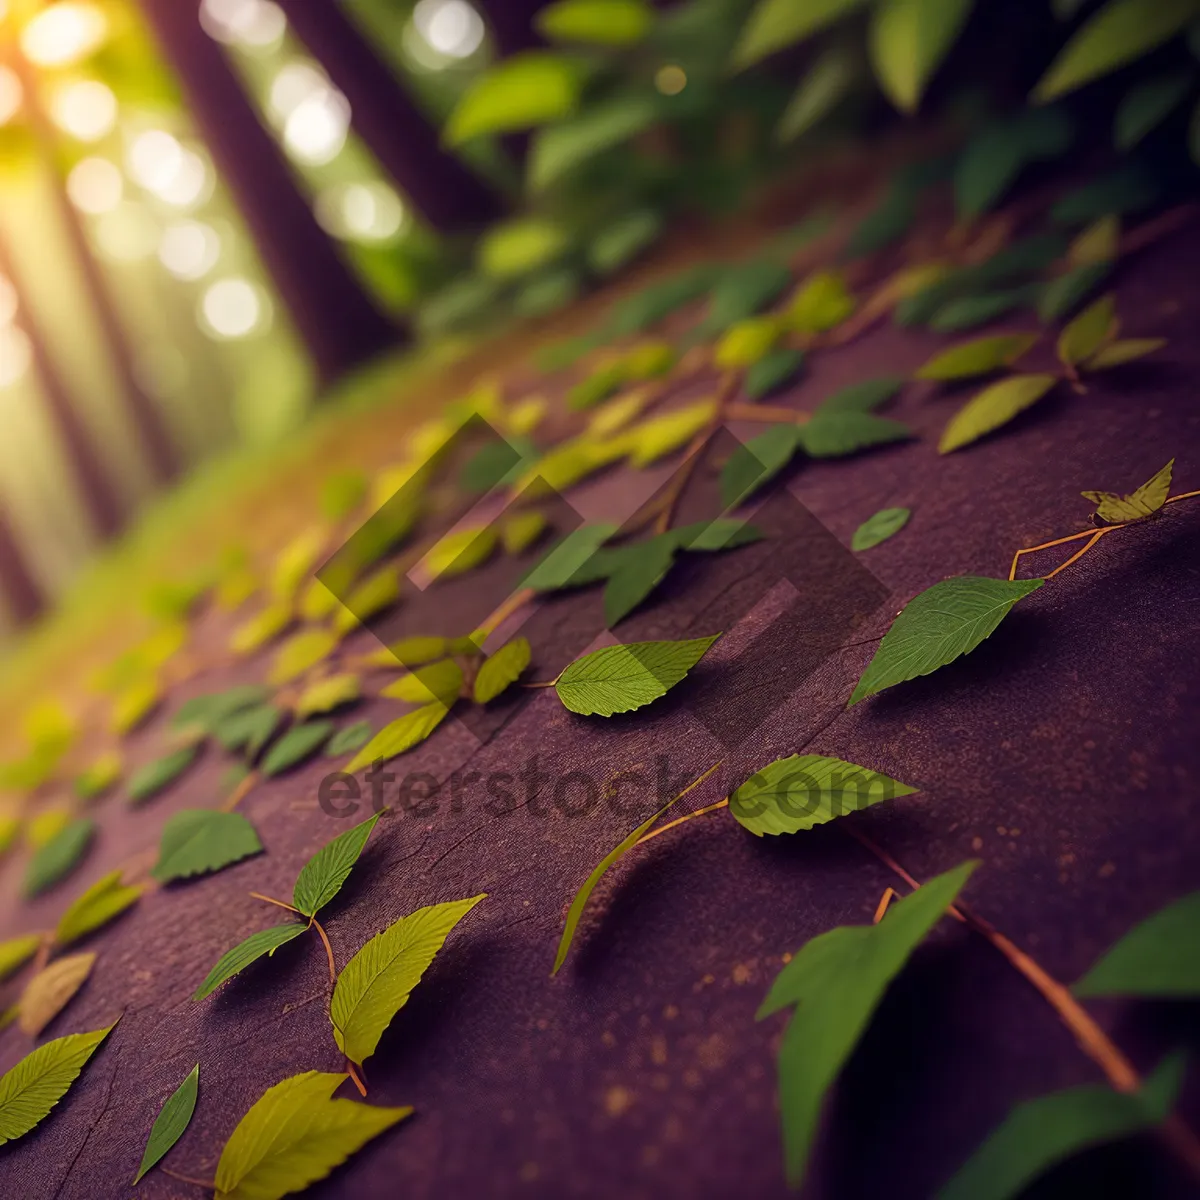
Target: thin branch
column 358, row 1083
column 240, row 792
column 328, row 948
column 700, row 812
column 279, row 903
column 1012, row 573
column 889, row 894
column 516, row 601
column 204, row 1183
column 1080, row 553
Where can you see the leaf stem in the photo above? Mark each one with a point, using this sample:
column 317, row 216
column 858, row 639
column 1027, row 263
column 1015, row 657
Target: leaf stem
column 328, row 948
column 279, row 903
column 517, row 600
column 204, row 1183
column 1092, row 1040
column 240, row 792
column 1080, row 553
column 771, row 414
column 358, row 1083
column 700, row 812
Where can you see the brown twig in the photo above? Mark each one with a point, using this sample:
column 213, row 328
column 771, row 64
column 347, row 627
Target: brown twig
column 204, row 1183
column 328, row 948
column 278, row 903
column 700, row 812
column 358, row 1082
column 240, row 792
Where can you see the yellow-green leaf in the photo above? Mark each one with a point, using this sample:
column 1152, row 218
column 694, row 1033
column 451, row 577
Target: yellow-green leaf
column 440, row 681
column 977, row 357
column 400, row 736
column 1138, row 505
column 821, row 302
column 1100, row 242
column 908, row 40
column 134, row 704
column 300, row 653
column 993, row 407
column 1087, row 333
column 519, row 531
column 775, row 24
column 266, row 625
column 377, row 982
column 501, row 669
column 51, row 990
column 101, row 776
column 233, row 961
column 16, row 952
column 524, row 90
column 327, row 694
column 104, row 900
column 376, row 593
column 294, row 562
column 659, row 436
column 747, row 341
column 460, row 551
column 826, row 83
column 40, row 1080
column 595, row 22
column 1116, row 354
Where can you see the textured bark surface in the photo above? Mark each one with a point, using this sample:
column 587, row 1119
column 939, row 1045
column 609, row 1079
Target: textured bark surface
column 1062, row 754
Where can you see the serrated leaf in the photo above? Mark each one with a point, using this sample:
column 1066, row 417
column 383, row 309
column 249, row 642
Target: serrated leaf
column 745, row 342
column 16, row 952
column 862, row 397
column 171, row 1122
column 101, row 776
column 500, row 670
column 1158, row 958
column 51, row 990
column 460, row 551
column 524, row 90
column 295, row 1134
column 40, row 1080
column 1147, row 104
column 1120, row 32
column 568, row 557
column 378, row 592
column 1138, row 505
column 248, row 731
column 399, row 736
column 519, row 531
column 825, row 85
column 1062, row 295
column 207, row 711
column 614, row 856
column 301, row 652
column 993, row 407
column 836, row 982
column 757, row 462
column 559, row 149
column 325, row 695
column 158, row 775
column 198, row 841
column 104, row 900
column 942, row 623
column 1041, row 1133
column 641, row 569
column 662, row 435
column 441, row 681
column 805, row 790
column 772, row 371
column 58, row 857
column 908, row 40
column 266, row 625
column 619, row 679
column 348, row 739
column 322, row 876
column 1117, row 354
column 820, row 303
column 832, row 434
column 884, row 524
column 977, row 357
column 299, row 744
column 775, row 24
column 377, row 982
column 232, row 962
column 1088, row 332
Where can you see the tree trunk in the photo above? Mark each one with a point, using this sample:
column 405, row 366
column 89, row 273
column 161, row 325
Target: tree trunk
column 147, row 420
column 511, row 23
column 99, row 498
column 21, row 591
column 383, row 114
column 338, row 321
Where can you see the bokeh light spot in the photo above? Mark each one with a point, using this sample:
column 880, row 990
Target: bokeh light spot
column 369, row 212
column 85, row 108
column 95, row 185
column 11, row 94
column 670, row 80
column 63, row 34
column 189, row 249
column 232, row 308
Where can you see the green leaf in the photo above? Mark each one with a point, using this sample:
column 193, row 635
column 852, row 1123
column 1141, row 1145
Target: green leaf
column 377, row 982
column 58, row 857
column 295, row 1134
column 1148, row 104
column 885, row 224
column 603, row 382
column 667, row 433
column 743, row 290
column 623, row 240
column 158, row 775
column 16, row 952
column 1120, row 32
column 775, row 24
column 1158, row 958
column 772, row 371
column 559, row 149
column 746, row 342
column 266, row 941
column 495, row 463
column 248, row 731
column 941, row 624
column 637, row 313
column 300, row 743
column 399, row 736
column 266, row 625
column 171, row 1122
column 836, row 982
column 806, row 790
column 978, row 357
column 1041, row 1133
column 441, row 681
column 520, row 246
column 614, row 856
column 100, row 777
column 348, row 739
column 1088, row 332
column 757, row 462
column 461, row 551
column 1061, row 296
column 40, row 1080
column 724, row 533
column 207, row 712
column 618, row 679
column 323, row 875
column 908, row 40
column 1142, row 503
column 324, row 695
column 595, row 22
column 501, row 669
column 51, row 990
column 521, row 91
column 969, row 312
column 883, row 525
column 568, row 557
column 820, row 303
column 832, row 434
column 863, row 397
column 826, row 84
column 105, row 899
column 300, row 653
column 379, row 591
column 1117, row 354
column 1100, row 242
column 642, row 568
column 1125, row 190
column 995, row 406
column 198, row 841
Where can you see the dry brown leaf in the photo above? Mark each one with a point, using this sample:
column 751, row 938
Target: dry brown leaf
column 49, row 991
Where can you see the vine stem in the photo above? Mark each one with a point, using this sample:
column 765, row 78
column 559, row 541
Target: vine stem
column 328, row 950
column 358, row 1083
column 498, row 616
column 240, row 792
column 700, row 812
column 278, row 903
column 204, row 1183
column 1092, row 1040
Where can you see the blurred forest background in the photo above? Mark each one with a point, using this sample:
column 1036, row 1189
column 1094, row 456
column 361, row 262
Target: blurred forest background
column 220, row 216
